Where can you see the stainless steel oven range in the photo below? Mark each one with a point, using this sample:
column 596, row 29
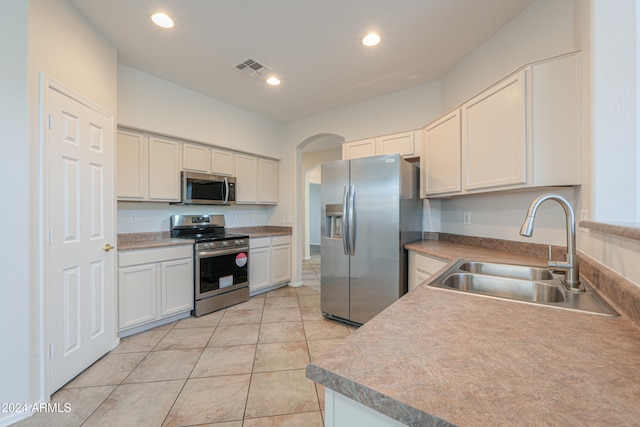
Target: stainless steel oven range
column 221, row 261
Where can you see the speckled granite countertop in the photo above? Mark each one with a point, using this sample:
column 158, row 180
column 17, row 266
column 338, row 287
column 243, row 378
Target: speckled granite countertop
column 132, row 241
column 261, row 231
column 440, row 358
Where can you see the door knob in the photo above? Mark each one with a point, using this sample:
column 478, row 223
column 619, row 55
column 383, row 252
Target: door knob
column 107, row 247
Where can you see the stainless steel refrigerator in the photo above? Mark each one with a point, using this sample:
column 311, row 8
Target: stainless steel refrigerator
column 370, row 209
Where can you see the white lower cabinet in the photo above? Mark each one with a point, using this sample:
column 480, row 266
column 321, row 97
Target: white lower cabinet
column 421, row 267
column 154, row 284
column 341, row 411
column 281, row 259
column 270, row 262
column 259, row 263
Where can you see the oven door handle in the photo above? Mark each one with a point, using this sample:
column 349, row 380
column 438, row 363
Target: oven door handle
column 236, row 250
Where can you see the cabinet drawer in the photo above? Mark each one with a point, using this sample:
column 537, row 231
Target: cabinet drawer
column 260, row 242
column 281, row 240
column 146, row 256
column 427, row 264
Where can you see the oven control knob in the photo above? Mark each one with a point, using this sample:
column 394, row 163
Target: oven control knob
column 208, row 245
column 225, row 243
column 238, row 242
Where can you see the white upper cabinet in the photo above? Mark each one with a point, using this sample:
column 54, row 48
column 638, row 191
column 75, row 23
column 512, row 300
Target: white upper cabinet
column 256, row 180
column 149, row 166
column 246, row 178
column 441, row 161
column 404, row 143
column 494, row 135
column 521, row 132
column 222, row 162
column 400, row 143
column 164, row 169
column 200, row 158
column 358, row 149
column 196, row 158
column 267, row 181
column 148, row 169
column 132, row 166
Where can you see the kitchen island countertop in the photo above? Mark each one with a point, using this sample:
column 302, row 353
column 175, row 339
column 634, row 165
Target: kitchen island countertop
column 439, row 357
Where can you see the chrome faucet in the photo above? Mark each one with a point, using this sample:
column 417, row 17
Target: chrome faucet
column 570, row 266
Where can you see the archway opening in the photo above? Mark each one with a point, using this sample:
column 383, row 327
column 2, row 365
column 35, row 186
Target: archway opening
column 311, row 153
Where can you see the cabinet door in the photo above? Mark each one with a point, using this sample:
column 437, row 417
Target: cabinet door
column 441, row 164
column 357, row 149
column 494, row 135
column 131, row 167
column 268, row 181
column 196, row 158
column 222, row 162
column 281, row 263
column 259, row 268
column 400, row 143
column 137, row 298
column 164, row 170
column 421, row 267
column 177, row 286
column 246, row 178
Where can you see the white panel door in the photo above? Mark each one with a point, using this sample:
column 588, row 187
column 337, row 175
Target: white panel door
column 79, row 220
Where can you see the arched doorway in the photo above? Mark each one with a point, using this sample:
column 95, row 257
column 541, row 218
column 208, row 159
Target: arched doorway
column 311, row 153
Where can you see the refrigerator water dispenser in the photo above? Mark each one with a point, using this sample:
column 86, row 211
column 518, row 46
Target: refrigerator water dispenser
column 334, row 221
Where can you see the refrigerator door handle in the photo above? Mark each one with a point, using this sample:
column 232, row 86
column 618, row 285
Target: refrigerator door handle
column 352, row 224
column 345, row 223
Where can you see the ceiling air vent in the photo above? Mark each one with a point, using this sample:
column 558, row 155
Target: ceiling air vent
column 251, row 67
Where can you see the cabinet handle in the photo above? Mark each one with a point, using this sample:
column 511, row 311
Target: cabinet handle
column 107, row 247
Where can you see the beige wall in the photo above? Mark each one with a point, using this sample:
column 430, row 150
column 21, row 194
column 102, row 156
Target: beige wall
column 47, row 36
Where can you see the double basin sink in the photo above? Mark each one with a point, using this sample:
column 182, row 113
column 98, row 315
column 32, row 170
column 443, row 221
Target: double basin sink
column 521, row 283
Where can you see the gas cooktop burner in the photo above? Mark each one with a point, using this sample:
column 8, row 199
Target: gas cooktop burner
column 206, row 230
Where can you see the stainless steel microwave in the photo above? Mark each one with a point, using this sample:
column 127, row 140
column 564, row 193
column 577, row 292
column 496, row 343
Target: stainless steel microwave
column 207, row 189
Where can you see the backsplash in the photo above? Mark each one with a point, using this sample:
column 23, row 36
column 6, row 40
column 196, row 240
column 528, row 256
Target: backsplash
column 140, row 217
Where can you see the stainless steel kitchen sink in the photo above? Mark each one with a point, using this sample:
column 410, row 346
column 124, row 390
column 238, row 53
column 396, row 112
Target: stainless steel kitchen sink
column 507, row 270
column 528, row 284
column 523, row 290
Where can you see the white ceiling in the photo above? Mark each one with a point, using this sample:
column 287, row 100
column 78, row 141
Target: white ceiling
column 313, row 46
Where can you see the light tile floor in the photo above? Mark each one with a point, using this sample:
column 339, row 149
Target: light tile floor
column 242, row 366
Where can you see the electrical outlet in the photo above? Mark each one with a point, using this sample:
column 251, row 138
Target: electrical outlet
column 467, row 217
column 282, row 219
column 237, row 215
column 584, row 216
column 289, row 219
column 250, row 216
column 133, row 218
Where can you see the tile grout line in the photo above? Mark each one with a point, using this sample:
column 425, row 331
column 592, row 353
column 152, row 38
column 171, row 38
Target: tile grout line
column 192, row 368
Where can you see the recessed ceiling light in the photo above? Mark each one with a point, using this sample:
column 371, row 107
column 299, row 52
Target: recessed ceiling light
column 273, row 81
column 162, row 20
column 371, row 39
